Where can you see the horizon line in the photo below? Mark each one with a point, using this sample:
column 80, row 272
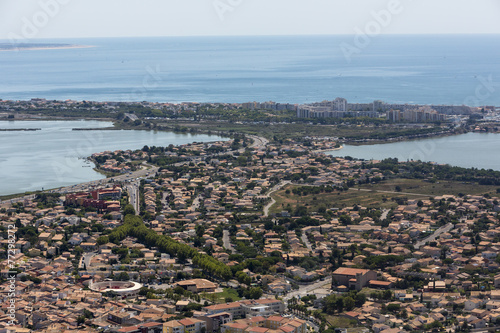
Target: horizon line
column 269, row 35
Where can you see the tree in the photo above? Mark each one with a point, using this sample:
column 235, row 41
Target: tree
column 339, row 304
column 393, row 307
column 80, row 320
column 254, row 293
column 349, row 303
column 345, row 219
column 102, row 240
column 123, row 276
column 353, row 248
column 387, row 294
column 128, row 210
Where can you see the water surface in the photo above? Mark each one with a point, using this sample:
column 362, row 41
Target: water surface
column 55, row 155
column 470, row 150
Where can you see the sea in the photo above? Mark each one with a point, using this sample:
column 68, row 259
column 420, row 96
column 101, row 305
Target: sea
column 413, row 69
column 421, row 69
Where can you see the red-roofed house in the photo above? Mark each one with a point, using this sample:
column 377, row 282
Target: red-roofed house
column 352, row 277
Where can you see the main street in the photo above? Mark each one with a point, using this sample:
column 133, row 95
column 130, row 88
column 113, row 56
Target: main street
column 227, row 242
column 436, row 234
column 133, row 192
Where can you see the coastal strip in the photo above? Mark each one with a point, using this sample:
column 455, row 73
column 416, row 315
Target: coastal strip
column 35, row 48
column 19, row 129
column 95, row 129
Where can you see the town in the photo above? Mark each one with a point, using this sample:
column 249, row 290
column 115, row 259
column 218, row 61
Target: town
column 252, row 235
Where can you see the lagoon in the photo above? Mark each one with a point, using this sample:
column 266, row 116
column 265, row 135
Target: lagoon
column 478, row 150
column 55, row 155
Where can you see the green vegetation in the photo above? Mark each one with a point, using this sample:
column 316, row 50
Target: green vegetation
column 134, row 226
column 380, row 262
column 299, row 130
column 379, row 195
column 339, row 321
column 433, row 172
column 345, row 302
column 228, row 295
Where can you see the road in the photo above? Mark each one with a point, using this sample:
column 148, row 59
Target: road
column 384, row 214
column 196, row 202
column 133, row 192
column 18, row 199
column 306, row 241
column 227, row 242
column 436, row 234
column 146, row 171
column 307, row 289
column 258, row 141
column 389, row 192
column 86, row 258
column 272, row 202
column 160, row 286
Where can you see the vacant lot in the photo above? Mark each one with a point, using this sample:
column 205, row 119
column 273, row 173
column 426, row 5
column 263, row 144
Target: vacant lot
column 341, row 322
column 375, row 195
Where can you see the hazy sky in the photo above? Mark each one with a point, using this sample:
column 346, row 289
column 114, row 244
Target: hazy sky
column 30, row 19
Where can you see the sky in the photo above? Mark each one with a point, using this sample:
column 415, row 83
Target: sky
column 34, row 19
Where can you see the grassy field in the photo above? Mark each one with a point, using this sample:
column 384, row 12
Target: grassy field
column 17, row 195
column 423, row 187
column 228, row 292
column 341, row 322
column 375, row 195
column 11, row 196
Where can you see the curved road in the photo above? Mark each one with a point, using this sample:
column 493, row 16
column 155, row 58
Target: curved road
column 274, row 189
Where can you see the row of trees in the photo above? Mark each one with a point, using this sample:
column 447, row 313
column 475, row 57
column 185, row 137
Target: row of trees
column 134, row 226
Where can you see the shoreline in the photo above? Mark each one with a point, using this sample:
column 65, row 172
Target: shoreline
column 35, row 48
column 322, row 151
column 19, row 129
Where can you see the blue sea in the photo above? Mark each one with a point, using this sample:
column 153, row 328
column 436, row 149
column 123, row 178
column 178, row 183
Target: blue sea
column 438, row 69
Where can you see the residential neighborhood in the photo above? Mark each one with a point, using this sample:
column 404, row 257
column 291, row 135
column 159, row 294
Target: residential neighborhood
column 219, row 243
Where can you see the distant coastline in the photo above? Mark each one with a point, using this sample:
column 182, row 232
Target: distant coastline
column 33, row 47
column 19, row 129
